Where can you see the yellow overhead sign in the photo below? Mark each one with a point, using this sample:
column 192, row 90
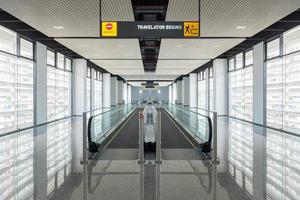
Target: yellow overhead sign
column 109, row 29
column 191, row 29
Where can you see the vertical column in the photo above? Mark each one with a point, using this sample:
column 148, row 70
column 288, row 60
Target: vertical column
column 170, row 93
column 193, row 90
column 220, row 82
column 174, row 92
column 258, row 117
column 186, row 91
column 93, row 76
column 179, row 92
column 120, row 92
column 114, row 91
column 41, row 117
column 106, row 90
column 129, row 93
column 207, row 89
column 41, row 86
column 80, row 67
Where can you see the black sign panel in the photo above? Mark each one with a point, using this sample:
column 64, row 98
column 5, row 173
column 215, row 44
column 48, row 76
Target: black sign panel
column 152, row 29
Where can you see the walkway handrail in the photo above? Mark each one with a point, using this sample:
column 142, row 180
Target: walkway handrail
column 209, row 121
column 87, row 127
column 261, row 125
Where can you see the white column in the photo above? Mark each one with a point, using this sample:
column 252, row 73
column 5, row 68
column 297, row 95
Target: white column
column 193, row 90
column 185, row 91
column 80, row 68
column 206, row 89
column 41, row 117
column 125, row 93
column 220, row 82
column 41, row 86
column 170, row 93
column 174, row 92
column 93, row 76
column 179, row 92
column 220, row 74
column 106, row 96
column 114, row 91
column 129, row 93
column 258, row 117
column 120, row 92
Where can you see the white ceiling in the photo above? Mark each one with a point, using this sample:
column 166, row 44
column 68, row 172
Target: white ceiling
column 221, row 17
column 136, row 83
column 195, row 48
column 149, row 76
column 178, row 67
column 80, row 18
column 104, row 48
column 121, row 67
column 163, row 83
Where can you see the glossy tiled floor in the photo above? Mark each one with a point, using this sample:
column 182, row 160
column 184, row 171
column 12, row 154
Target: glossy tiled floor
column 45, row 164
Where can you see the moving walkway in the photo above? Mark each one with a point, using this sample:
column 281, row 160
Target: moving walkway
column 179, row 127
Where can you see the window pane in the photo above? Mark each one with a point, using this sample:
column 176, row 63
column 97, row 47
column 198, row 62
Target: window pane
column 249, row 58
column 50, row 58
column 60, row 61
column 239, row 61
column 291, row 40
column 26, row 48
column 231, row 64
column 8, row 40
column 68, row 64
column 273, row 48
column 8, row 94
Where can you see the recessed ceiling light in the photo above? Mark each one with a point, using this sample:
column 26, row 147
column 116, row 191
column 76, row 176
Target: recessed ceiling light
column 179, row 45
column 241, row 27
column 58, row 27
column 120, row 46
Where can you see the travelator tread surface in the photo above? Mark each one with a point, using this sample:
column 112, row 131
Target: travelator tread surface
column 172, row 136
column 127, row 135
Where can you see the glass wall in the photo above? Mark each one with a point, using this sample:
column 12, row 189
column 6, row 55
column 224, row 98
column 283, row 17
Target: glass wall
column 202, row 92
column 59, row 78
column 16, row 84
column 59, row 154
column 283, row 112
column 88, row 89
column 211, row 89
column 240, row 91
column 97, row 90
column 283, row 86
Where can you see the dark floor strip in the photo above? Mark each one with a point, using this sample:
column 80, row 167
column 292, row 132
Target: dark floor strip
column 171, row 136
column 128, row 136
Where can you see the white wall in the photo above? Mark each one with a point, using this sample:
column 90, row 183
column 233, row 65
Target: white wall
column 179, row 92
column 106, row 93
column 193, row 90
column 41, row 87
column 120, row 92
column 170, row 93
column 79, row 70
column 185, row 91
column 114, row 91
column 129, row 93
column 150, row 94
column 174, row 92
